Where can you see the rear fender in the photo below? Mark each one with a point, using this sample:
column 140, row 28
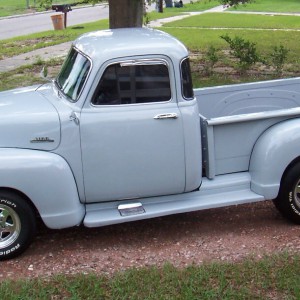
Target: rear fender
column 47, row 180
column 273, row 152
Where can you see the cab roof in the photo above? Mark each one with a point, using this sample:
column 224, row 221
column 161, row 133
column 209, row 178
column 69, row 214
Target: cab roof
column 109, row 44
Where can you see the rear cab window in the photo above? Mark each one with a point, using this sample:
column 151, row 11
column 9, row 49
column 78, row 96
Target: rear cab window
column 186, row 80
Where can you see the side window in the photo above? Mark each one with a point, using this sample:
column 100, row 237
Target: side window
column 186, row 79
column 130, row 83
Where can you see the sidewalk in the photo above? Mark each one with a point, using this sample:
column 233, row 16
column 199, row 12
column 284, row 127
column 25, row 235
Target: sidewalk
column 29, row 58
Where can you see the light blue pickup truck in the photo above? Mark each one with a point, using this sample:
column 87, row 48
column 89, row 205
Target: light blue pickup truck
column 120, row 135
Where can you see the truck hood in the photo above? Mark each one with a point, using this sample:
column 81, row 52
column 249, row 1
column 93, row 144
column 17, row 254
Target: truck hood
column 28, row 120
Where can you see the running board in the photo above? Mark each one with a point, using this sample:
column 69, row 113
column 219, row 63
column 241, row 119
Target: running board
column 222, row 191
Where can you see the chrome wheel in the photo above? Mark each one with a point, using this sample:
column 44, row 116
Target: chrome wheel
column 10, row 226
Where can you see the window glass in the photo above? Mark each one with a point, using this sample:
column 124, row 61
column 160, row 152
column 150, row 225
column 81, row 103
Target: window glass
column 73, row 74
column 133, row 83
column 186, row 79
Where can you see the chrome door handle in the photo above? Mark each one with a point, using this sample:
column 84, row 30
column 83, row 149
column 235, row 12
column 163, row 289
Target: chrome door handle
column 74, row 117
column 166, row 116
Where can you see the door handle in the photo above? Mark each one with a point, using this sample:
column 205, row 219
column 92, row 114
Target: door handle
column 74, row 117
column 166, row 116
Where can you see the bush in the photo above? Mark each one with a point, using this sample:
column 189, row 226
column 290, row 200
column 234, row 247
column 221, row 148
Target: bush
column 45, row 4
column 244, row 51
column 278, row 58
column 211, row 58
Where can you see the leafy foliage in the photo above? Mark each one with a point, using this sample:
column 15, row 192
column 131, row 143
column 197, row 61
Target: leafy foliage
column 211, row 58
column 244, row 51
column 279, row 57
column 46, row 4
column 234, row 2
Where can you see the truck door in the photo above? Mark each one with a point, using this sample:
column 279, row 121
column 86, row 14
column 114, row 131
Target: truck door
column 132, row 133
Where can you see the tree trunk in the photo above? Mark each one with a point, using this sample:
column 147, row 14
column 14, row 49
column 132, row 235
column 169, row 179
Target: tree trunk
column 126, row 13
column 160, row 6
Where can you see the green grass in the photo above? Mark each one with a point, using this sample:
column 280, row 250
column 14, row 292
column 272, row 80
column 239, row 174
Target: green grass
column 196, row 6
column 15, row 7
column 276, row 277
column 201, row 39
column 289, row 6
column 28, row 75
column 24, row 44
column 170, row 12
column 225, row 20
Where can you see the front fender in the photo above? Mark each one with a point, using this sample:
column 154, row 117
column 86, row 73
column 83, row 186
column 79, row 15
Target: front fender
column 47, row 180
column 276, row 148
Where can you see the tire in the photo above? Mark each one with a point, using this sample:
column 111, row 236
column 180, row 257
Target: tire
column 288, row 200
column 17, row 225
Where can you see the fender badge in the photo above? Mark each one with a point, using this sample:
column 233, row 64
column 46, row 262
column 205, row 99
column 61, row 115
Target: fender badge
column 41, row 140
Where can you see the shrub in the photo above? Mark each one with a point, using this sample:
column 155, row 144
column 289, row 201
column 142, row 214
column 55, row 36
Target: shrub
column 244, row 51
column 278, row 58
column 211, row 58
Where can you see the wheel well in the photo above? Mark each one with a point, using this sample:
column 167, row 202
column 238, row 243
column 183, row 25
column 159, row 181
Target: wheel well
column 292, row 164
column 19, row 193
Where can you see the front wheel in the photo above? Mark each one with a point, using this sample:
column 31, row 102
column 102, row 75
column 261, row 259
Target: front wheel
column 17, row 225
column 288, row 200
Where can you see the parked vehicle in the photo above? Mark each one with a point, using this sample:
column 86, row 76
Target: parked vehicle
column 120, row 135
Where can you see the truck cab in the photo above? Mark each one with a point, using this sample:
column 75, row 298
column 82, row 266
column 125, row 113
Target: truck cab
column 137, row 114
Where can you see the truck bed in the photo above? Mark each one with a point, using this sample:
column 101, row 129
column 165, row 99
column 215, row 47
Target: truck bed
column 233, row 117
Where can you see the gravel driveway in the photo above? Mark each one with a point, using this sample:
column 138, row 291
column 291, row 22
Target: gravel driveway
column 223, row 234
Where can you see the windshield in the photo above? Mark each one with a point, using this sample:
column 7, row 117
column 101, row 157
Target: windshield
column 73, row 74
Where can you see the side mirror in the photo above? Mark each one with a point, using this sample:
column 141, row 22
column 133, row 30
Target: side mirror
column 44, row 73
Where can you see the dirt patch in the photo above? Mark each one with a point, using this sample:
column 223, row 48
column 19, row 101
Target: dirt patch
column 223, row 234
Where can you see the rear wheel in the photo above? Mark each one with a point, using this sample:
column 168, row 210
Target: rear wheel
column 288, row 200
column 17, row 225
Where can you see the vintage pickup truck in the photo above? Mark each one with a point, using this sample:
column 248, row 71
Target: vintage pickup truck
column 120, row 135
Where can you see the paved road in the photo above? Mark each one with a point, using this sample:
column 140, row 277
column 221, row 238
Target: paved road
column 38, row 22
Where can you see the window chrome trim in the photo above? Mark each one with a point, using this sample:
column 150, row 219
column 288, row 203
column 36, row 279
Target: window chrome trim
column 144, row 62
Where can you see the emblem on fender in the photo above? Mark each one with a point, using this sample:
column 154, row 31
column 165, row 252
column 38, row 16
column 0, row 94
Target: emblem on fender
column 42, row 140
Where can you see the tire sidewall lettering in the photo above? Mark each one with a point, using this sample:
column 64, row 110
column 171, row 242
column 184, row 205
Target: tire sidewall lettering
column 21, row 208
column 290, row 197
column 8, row 203
column 292, row 204
column 12, row 249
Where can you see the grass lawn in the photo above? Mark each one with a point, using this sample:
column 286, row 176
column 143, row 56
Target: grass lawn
column 201, row 39
column 23, row 44
column 198, row 40
column 276, row 277
column 289, row 6
column 195, row 6
column 226, row 20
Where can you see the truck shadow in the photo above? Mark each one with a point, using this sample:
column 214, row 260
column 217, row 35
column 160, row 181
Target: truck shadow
column 206, row 224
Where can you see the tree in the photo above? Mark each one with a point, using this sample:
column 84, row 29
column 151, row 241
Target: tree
column 126, row 13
